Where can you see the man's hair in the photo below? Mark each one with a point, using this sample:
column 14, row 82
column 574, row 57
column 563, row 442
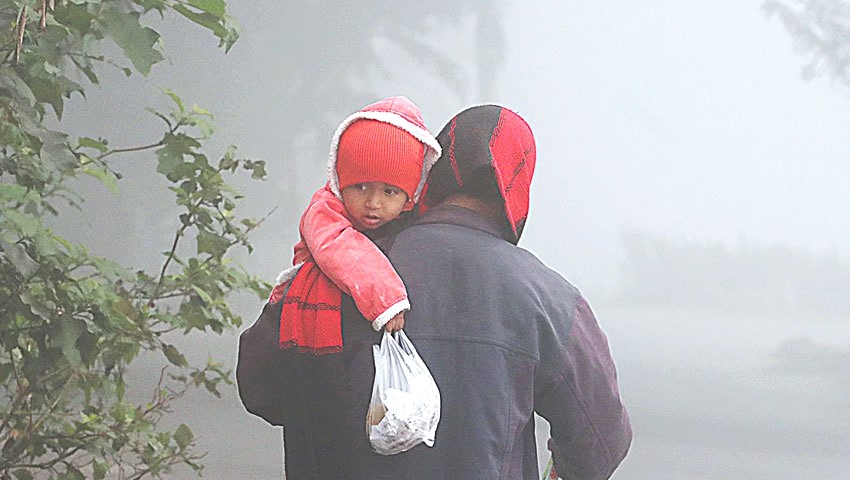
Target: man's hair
column 482, row 185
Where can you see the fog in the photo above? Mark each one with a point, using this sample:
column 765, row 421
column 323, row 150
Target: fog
column 689, row 181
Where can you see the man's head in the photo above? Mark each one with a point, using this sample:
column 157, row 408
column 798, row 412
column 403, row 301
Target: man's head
column 488, row 151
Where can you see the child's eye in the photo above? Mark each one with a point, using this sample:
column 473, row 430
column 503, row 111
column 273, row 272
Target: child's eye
column 392, row 191
column 362, row 187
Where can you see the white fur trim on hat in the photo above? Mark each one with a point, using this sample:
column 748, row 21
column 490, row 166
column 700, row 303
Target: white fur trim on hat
column 432, row 147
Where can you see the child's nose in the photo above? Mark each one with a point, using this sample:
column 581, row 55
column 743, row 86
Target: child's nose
column 373, row 200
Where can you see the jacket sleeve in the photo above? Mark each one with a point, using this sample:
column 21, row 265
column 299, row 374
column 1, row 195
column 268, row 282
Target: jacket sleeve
column 590, row 428
column 351, row 260
column 262, row 374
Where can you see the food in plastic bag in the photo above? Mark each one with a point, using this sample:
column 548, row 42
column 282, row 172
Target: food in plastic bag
column 405, row 406
column 549, row 473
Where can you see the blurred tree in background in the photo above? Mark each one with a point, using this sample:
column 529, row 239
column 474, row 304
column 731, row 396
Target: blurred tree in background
column 298, row 69
column 71, row 322
column 338, row 56
column 766, row 279
column 821, row 29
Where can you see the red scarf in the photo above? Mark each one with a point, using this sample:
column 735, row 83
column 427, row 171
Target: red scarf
column 310, row 319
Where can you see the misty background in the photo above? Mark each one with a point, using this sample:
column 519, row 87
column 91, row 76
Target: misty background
column 690, row 182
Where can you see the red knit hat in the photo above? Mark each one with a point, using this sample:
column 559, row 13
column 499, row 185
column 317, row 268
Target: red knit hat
column 394, row 120
column 375, row 151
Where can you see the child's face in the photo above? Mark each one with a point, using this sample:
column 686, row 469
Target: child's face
column 373, row 204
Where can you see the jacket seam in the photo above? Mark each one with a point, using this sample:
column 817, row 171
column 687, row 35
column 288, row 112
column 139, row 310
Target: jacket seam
column 511, row 435
column 484, row 341
column 593, row 427
column 580, row 401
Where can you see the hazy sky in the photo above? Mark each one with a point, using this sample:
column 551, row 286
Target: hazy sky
column 684, row 120
column 690, row 121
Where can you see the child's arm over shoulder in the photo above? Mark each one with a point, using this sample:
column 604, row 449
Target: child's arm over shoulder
column 351, row 260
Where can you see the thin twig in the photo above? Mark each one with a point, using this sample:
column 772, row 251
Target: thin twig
column 42, row 24
column 131, row 149
column 168, row 261
column 19, row 35
column 35, row 426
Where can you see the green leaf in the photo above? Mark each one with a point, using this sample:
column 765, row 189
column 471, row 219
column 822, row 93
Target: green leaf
column 27, row 225
column 203, row 19
column 176, row 99
column 6, row 369
column 18, row 257
column 215, row 7
column 201, row 111
column 212, row 243
column 257, row 167
column 105, row 176
column 87, row 347
column 70, row 330
column 228, row 160
column 89, row 73
column 202, row 293
column 49, row 92
column 35, row 306
column 21, row 474
column 12, row 193
column 138, row 42
column 120, row 388
column 11, row 81
column 57, row 154
column 73, row 15
column 174, row 356
column 183, row 436
column 222, row 26
column 72, row 473
column 170, row 157
column 99, row 470
column 151, row 4
column 99, row 145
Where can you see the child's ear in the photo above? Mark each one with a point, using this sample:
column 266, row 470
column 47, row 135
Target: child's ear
column 408, row 206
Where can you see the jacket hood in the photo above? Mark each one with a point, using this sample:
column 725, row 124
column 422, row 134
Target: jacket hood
column 486, row 140
column 402, row 113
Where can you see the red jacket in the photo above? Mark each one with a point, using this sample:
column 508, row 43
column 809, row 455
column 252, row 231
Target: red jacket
column 349, row 259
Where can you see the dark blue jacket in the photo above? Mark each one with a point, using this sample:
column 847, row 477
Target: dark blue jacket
column 503, row 335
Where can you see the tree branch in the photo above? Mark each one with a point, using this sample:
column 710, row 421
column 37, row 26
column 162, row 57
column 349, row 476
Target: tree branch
column 131, row 149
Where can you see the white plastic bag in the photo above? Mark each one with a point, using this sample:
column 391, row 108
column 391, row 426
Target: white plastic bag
column 549, row 473
column 405, row 406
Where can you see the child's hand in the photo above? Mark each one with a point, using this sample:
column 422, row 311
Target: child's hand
column 395, row 324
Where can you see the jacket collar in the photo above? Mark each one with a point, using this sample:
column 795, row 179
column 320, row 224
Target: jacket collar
column 464, row 217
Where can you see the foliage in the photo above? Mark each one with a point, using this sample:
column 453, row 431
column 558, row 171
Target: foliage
column 821, row 29
column 70, row 321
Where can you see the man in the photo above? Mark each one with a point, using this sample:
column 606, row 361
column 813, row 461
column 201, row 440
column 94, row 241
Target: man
column 503, row 335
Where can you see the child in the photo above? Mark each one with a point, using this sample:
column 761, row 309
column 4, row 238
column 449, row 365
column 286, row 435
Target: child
column 379, row 160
